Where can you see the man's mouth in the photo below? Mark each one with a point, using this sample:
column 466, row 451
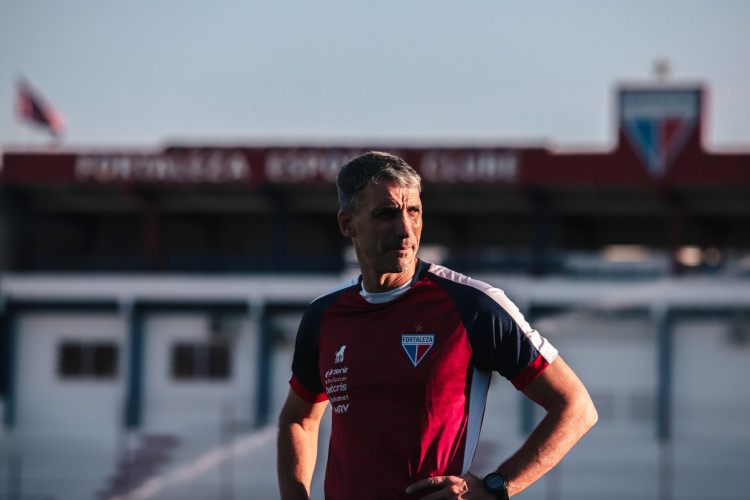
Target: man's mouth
column 401, row 248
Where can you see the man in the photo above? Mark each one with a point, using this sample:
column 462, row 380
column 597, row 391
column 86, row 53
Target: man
column 404, row 355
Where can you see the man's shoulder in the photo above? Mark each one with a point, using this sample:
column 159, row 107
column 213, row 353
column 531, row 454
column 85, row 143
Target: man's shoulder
column 334, row 292
column 467, row 290
column 317, row 307
column 449, row 277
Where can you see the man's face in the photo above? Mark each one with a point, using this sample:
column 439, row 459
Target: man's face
column 387, row 228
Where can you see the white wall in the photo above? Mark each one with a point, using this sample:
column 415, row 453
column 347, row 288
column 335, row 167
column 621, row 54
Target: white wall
column 710, row 380
column 47, row 403
column 175, row 406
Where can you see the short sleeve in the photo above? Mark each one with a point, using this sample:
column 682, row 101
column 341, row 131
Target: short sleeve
column 305, row 379
column 503, row 341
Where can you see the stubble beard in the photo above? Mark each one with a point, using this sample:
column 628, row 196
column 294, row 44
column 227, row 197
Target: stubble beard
column 403, row 265
column 387, row 264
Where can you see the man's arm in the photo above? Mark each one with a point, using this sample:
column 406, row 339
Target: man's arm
column 570, row 414
column 297, row 445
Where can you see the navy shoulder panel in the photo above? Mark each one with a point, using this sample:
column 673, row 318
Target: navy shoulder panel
column 305, row 361
column 495, row 327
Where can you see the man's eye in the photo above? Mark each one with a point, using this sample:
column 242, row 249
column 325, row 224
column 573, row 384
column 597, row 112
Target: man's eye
column 386, row 214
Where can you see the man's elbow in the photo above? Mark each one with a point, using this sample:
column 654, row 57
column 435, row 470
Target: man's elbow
column 588, row 416
column 578, row 410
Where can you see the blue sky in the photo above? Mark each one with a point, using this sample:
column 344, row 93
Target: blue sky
column 149, row 73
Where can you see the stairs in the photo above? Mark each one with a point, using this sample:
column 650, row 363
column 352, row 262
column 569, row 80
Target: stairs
column 139, row 464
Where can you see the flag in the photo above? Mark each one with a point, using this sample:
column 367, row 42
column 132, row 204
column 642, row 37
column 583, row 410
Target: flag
column 32, row 107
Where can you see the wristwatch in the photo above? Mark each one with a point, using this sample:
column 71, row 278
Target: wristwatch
column 497, row 485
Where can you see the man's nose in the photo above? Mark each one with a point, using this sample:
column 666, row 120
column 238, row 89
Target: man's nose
column 403, row 225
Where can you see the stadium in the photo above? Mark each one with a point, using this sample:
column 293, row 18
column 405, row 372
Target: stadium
column 149, row 301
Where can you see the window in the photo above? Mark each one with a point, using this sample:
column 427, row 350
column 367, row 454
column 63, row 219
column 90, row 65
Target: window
column 87, row 360
column 200, row 361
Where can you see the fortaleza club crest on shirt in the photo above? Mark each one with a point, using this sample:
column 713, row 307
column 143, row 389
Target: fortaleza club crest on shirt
column 416, row 346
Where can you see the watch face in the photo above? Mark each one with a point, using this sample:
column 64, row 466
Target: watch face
column 495, row 481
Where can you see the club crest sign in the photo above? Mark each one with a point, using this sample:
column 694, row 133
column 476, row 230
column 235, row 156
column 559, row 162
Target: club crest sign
column 658, row 123
column 416, row 346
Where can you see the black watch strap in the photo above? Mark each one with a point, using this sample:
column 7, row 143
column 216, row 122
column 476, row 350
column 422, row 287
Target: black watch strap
column 496, row 484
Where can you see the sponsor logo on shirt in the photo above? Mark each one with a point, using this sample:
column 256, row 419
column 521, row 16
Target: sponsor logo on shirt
column 336, row 386
column 336, row 371
column 341, row 408
column 340, row 354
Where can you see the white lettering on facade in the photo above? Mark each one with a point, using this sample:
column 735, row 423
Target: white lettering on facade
column 645, row 104
column 196, row 167
column 486, row 166
column 296, row 166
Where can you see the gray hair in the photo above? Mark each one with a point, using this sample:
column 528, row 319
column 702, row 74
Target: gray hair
column 372, row 168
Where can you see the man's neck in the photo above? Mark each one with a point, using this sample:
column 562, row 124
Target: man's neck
column 385, row 282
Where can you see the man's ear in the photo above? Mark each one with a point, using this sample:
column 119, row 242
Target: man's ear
column 346, row 225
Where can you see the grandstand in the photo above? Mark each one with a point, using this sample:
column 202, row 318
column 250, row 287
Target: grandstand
column 149, row 300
